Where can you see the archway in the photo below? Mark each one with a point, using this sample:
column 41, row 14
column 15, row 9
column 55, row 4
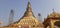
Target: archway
column 57, row 24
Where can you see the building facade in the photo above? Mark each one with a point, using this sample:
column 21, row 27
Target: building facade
column 52, row 20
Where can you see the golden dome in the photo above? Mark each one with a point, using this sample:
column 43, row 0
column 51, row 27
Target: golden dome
column 28, row 17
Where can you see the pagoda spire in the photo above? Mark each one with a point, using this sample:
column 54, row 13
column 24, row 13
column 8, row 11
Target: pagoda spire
column 11, row 16
column 54, row 12
column 28, row 10
column 29, row 6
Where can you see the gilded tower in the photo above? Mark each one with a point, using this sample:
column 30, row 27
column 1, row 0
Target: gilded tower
column 28, row 20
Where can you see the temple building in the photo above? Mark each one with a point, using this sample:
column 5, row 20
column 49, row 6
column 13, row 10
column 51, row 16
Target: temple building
column 28, row 20
column 52, row 20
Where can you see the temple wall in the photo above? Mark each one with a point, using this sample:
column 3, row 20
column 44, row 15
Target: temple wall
column 37, row 27
column 17, row 27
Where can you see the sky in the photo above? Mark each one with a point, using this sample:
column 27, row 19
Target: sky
column 44, row 7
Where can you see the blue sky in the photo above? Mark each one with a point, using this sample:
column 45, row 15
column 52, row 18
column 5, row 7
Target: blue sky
column 44, row 7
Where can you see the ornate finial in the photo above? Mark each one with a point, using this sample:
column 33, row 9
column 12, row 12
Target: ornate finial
column 39, row 14
column 29, row 6
column 28, row 0
column 11, row 10
column 53, row 10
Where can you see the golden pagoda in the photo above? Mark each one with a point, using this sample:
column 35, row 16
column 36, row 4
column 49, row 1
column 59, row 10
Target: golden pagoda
column 27, row 21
